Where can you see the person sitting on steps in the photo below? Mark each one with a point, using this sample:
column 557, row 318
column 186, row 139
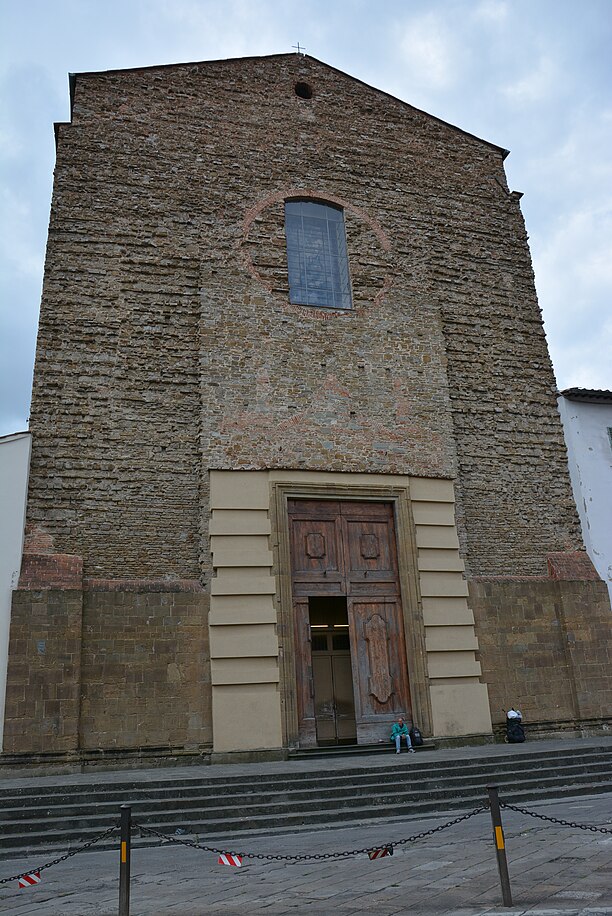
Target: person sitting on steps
column 399, row 731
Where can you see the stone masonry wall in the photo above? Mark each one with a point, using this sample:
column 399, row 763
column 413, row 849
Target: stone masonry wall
column 514, row 495
column 44, row 671
column 118, row 665
column 145, row 668
column 545, row 648
column 167, row 344
column 115, row 404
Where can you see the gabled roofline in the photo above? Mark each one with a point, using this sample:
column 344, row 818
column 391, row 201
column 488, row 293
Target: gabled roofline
column 72, row 77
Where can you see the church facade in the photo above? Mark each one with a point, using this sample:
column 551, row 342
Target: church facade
column 297, row 466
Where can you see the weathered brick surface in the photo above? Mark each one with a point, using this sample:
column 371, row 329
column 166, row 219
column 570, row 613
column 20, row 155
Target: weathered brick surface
column 145, row 668
column 44, row 671
column 167, row 345
column 118, row 665
column 546, row 647
column 571, row 566
column 51, row 571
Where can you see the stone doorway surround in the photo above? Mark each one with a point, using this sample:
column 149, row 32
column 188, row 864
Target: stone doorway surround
column 348, row 548
column 251, row 625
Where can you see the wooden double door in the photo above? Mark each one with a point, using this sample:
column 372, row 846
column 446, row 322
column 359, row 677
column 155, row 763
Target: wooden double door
column 350, row 647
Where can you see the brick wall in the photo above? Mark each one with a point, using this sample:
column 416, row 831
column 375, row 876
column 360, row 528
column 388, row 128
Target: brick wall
column 118, row 665
column 44, row 671
column 545, row 647
column 145, row 668
column 167, row 345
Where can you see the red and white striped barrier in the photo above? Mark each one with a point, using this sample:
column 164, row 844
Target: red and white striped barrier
column 29, row 880
column 226, row 858
column 380, row 853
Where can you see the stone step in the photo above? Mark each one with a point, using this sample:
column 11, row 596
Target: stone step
column 407, row 783
column 353, row 750
column 225, row 832
column 229, row 783
column 226, row 804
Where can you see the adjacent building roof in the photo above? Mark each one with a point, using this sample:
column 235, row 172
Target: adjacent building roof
column 587, row 394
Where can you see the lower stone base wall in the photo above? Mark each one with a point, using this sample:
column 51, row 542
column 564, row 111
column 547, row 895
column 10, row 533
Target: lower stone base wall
column 115, row 665
column 571, row 728
column 44, row 671
column 546, row 649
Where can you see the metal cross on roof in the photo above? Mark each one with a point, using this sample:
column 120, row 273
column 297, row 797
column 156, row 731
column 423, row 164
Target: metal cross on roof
column 298, row 48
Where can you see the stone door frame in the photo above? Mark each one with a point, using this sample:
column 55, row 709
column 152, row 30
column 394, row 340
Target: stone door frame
column 412, row 613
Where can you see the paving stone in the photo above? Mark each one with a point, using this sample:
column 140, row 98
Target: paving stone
column 545, row 880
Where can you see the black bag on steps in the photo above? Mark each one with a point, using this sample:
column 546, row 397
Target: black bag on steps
column 416, row 737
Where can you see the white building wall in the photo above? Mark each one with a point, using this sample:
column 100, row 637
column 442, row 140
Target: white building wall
column 14, row 471
column 586, row 427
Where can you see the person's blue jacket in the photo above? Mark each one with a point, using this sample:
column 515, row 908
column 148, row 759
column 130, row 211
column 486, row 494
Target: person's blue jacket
column 399, row 730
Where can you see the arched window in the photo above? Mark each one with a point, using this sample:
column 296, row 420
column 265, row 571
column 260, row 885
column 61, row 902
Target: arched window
column 316, row 255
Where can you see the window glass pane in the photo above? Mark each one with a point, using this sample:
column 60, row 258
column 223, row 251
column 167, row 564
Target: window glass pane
column 341, row 642
column 316, row 255
column 319, row 642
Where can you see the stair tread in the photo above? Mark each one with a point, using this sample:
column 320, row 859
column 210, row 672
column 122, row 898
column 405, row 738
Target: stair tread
column 419, row 783
column 238, row 804
column 446, row 767
column 268, row 826
column 411, row 795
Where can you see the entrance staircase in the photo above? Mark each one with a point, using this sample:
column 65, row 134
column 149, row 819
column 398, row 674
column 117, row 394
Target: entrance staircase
column 222, row 804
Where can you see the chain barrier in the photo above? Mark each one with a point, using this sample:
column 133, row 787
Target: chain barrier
column 306, row 857
column 554, row 820
column 68, row 855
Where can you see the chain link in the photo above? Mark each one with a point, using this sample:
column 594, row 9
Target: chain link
column 306, row 857
column 63, row 858
column 554, row 820
column 458, row 820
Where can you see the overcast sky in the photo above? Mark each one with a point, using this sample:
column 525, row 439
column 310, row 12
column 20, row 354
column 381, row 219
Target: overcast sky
column 534, row 76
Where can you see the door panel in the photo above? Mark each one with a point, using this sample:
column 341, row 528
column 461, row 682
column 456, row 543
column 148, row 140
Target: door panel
column 371, row 554
column 324, row 699
column 316, row 549
column 303, row 671
column 379, row 657
column 343, row 697
column 334, row 704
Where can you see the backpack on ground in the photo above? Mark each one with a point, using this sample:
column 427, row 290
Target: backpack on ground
column 515, row 733
column 416, row 738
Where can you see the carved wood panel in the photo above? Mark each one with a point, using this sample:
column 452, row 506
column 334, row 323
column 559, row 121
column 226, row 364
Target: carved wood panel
column 317, row 561
column 343, row 548
column 303, row 670
column 379, row 660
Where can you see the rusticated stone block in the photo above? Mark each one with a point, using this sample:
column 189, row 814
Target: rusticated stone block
column 145, row 673
column 45, row 718
column 557, row 669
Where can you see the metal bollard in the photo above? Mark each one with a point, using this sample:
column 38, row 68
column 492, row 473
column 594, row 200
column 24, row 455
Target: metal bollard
column 124, row 860
column 500, row 845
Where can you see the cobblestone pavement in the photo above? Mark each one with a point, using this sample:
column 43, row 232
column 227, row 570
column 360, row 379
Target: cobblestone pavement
column 553, row 870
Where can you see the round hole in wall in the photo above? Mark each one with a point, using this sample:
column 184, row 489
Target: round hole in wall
column 303, row 90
